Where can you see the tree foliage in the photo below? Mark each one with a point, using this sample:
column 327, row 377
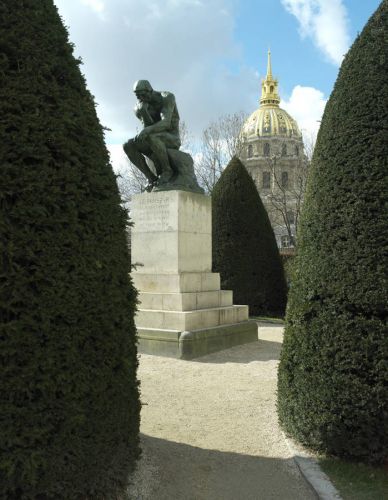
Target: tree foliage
column 333, row 369
column 244, row 246
column 69, row 396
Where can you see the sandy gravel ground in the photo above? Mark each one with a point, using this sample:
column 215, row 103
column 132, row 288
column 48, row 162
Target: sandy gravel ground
column 209, row 428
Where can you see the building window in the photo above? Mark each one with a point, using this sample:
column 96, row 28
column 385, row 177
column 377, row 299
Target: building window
column 284, row 147
column 284, row 179
column 267, row 149
column 250, row 151
column 285, row 241
column 291, row 217
column 297, row 150
column 266, row 180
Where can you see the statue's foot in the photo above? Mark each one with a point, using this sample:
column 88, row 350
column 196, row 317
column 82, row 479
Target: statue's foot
column 151, row 184
column 166, row 176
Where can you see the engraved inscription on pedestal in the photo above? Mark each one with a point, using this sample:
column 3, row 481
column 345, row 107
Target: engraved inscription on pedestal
column 172, row 232
column 154, row 213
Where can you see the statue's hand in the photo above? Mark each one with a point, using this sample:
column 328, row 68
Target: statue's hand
column 141, row 106
column 142, row 112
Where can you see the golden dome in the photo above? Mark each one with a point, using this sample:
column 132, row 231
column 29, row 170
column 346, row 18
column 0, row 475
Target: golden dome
column 270, row 119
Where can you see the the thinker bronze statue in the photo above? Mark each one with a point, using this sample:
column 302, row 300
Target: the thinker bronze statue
column 155, row 150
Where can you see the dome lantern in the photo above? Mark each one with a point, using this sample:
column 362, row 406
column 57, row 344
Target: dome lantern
column 269, row 120
column 269, row 87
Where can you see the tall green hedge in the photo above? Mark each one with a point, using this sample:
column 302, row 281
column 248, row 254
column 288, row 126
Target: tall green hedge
column 69, row 402
column 244, row 246
column 332, row 392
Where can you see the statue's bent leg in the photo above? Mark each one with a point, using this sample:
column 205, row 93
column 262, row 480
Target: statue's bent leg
column 133, row 151
column 158, row 144
column 159, row 153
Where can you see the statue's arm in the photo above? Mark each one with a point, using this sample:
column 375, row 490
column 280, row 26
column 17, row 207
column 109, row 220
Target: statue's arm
column 141, row 112
column 165, row 115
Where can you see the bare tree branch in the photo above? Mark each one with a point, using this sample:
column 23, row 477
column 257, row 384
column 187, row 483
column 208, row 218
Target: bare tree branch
column 286, row 198
column 221, row 140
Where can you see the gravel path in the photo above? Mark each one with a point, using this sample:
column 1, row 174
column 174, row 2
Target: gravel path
column 209, row 428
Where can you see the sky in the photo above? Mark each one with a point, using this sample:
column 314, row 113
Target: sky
column 212, row 54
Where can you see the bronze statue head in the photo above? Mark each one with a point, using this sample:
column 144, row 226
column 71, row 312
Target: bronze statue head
column 143, row 90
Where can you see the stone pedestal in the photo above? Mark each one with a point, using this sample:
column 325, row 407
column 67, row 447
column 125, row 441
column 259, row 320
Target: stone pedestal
column 183, row 312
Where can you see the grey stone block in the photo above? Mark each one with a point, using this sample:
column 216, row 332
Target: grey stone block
column 195, row 343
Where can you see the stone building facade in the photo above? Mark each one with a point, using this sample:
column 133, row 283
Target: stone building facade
column 273, row 154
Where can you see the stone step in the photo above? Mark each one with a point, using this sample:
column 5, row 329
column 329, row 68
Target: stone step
column 175, row 283
column 191, row 344
column 189, row 301
column 191, row 320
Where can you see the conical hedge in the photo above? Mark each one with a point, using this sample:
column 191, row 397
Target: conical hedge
column 333, row 370
column 69, row 401
column 244, row 246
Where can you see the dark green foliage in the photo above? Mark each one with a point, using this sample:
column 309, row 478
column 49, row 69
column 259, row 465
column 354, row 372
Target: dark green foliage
column 287, row 261
column 244, row 246
column 333, row 369
column 69, row 399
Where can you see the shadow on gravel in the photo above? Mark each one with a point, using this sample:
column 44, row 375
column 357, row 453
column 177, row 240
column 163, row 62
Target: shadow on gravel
column 175, row 471
column 262, row 350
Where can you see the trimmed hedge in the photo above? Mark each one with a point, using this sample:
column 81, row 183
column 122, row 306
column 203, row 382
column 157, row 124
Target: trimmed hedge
column 69, row 398
column 332, row 393
column 244, row 246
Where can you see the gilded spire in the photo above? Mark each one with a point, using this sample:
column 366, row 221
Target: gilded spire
column 269, row 68
column 269, row 87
